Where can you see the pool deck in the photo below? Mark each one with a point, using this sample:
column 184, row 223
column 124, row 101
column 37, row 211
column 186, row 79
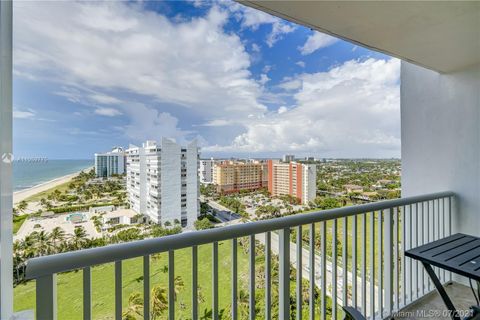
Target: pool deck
column 60, row 220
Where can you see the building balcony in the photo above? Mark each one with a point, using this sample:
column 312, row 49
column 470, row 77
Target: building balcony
column 351, row 255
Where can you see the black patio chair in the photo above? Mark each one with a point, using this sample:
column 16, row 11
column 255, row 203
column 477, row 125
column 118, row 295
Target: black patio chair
column 352, row 314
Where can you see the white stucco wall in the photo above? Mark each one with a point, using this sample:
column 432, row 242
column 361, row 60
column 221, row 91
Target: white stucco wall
column 170, row 181
column 192, row 183
column 440, row 116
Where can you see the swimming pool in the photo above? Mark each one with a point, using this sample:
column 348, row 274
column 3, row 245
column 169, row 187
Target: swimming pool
column 76, row 217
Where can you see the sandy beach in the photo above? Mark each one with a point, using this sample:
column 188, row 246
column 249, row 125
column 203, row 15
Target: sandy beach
column 23, row 194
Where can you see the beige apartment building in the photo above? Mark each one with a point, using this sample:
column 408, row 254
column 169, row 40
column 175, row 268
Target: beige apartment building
column 234, row 176
column 292, row 178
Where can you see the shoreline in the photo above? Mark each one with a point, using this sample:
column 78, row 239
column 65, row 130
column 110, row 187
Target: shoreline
column 26, row 193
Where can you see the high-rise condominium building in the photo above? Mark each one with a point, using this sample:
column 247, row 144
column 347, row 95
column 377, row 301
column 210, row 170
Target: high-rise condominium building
column 288, row 158
column 162, row 181
column 205, row 171
column 295, row 179
column 234, row 176
column 109, row 163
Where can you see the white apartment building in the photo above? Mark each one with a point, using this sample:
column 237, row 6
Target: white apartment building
column 293, row 178
column 162, row 181
column 109, row 163
column 205, row 170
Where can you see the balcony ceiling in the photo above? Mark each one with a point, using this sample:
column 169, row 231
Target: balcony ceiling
column 443, row 36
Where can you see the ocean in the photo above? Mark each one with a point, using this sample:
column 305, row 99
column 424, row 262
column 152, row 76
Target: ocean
column 27, row 174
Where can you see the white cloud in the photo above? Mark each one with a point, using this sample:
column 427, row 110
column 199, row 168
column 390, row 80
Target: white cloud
column 282, row 109
column 23, row 114
column 108, row 112
column 352, row 109
column 255, row 47
column 252, row 18
column 104, row 99
column 278, row 31
column 218, row 123
column 148, row 123
column 316, row 41
column 291, row 84
column 264, row 79
column 300, row 64
column 95, row 50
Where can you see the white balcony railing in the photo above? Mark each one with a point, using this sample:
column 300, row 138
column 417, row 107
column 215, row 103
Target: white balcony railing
column 375, row 278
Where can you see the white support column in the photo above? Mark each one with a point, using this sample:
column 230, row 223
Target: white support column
column 6, row 235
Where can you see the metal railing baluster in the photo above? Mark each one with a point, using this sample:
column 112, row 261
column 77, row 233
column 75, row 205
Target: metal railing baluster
column 311, row 291
column 284, row 273
column 334, row 269
column 87, row 293
column 118, row 290
column 372, row 264
column 423, row 237
column 234, row 279
column 396, row 263
column 354, row 262
column 268, row 275
column 380, row 260
column 364, row 263
column 46, row 297
column 215, row 280
column 194, row 282
column 345, row 262
column 251, row 295
column 389, row 264
column 146, row 287
column 171, row 285
column 323, row 266
column 299, row 273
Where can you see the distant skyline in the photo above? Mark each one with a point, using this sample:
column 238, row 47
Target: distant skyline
column 90, row 76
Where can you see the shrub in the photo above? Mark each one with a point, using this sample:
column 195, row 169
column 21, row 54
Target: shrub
column 203, row 224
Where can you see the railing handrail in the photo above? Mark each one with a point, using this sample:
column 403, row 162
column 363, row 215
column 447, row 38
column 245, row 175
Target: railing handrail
column 62, row 262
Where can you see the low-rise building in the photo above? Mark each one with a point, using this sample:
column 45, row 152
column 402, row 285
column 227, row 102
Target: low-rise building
column 109, row 163
column 294, row 179
column 349, row 188
column 234, row 176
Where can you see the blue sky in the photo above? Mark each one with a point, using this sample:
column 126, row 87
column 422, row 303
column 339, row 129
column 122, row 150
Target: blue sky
column 89, row 76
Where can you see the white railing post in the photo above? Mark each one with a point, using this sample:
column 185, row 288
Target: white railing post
column 47, row 297
column 284, row 273
column 6, row 228
column 388, row 262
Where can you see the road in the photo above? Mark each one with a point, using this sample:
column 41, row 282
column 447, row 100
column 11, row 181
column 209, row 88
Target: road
column 222, row 213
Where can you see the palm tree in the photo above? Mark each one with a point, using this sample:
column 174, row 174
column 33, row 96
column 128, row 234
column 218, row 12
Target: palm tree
column 79, row 237
column 57, row 234
column 178, row 285
column 207, row 314
column 243, row 302
column 159, row 302
column 22, row 205
column 43, row 203
column 135, row 306
column 43, row 243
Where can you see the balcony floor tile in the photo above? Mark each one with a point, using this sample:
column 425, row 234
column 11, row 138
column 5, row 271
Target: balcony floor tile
column 432, row 306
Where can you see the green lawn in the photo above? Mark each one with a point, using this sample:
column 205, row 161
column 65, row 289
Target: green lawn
column 18, row 221
column 70, row 293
